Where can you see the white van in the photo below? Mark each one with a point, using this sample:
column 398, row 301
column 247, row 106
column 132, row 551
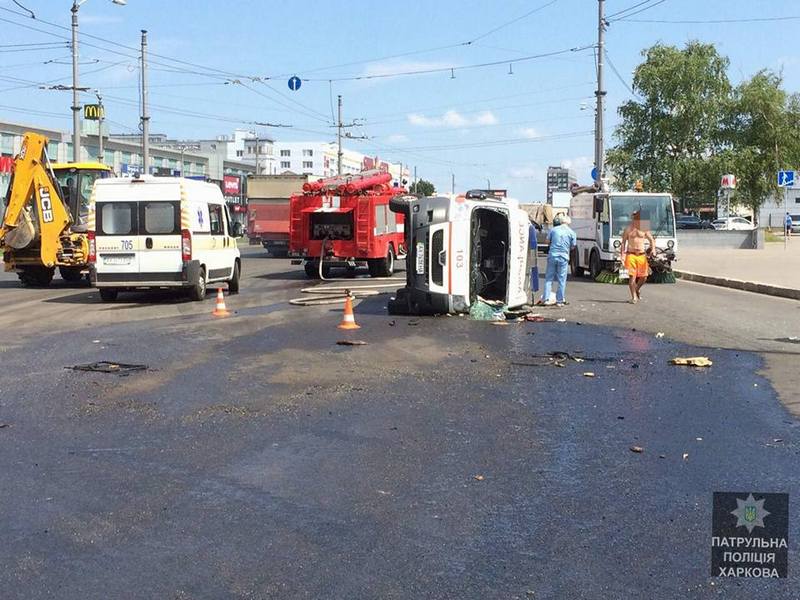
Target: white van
column 460, row 248
column 161, row 232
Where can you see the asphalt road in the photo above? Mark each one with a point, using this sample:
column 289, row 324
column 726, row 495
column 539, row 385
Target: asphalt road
column 258, row 459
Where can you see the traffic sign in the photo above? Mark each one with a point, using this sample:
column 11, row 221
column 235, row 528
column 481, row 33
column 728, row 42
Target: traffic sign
column 728, row 182
column 294, row 83
column 786, row 178
column 594, row 173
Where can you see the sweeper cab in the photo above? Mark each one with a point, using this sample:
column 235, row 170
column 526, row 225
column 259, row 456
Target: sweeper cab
column 345, row 221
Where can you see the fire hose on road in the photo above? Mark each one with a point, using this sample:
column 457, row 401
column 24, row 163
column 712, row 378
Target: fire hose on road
column 320, row 295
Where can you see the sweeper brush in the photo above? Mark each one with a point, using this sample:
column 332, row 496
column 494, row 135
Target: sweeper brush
column 607, row 276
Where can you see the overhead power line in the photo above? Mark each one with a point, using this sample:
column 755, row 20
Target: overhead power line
column 511, row 22
column 712, row 21
column 626, row 14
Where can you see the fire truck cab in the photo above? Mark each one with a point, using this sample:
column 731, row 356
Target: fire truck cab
column 346, row 222
column 460, row 248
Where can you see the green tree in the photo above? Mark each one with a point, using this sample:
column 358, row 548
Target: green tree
column 672, row 137
column 423, row 187
column 764, row 133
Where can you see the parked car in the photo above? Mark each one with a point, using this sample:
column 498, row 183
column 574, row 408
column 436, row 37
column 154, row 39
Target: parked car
column 691, row 222
column 795, row 223
column 732, row 224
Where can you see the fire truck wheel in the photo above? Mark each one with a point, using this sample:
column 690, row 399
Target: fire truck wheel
column 36, row 276
column 71, row 274
column 382, row 267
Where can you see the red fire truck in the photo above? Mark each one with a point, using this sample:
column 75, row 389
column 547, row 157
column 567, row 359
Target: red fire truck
column 345, row 221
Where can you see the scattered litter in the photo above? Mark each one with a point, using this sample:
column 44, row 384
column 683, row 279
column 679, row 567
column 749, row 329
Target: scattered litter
column 792, row 339
column 392, row 323
column 755, row 385
column 500, row 323
column 351, row 343
column 105, row 366
column 413, row 322
column 637, row 449
column 588, row 374
column 478, row 477
column 660, row 334
column 635, row 366
column 95, row 341
column 662, row 456
column 685, row 455
column 3, row 425
column 535, row 318
column 699, row 439
column 620, row 417
column 776, row 440
column 561, row 320
column 692, row 361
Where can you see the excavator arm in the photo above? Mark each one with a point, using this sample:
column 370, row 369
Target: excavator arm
column 34, row 211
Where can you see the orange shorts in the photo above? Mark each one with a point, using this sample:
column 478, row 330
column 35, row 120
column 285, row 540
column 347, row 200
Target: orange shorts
column 637, row 266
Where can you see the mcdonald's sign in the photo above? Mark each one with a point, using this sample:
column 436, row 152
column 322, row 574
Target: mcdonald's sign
column 93, row 112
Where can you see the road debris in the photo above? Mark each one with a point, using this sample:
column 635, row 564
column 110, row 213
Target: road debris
column 692, row 361
column 351, row 343
column 588, row 374
column 561, row 320
column 685, row 456
column 637, row 449
column 3, row 425
column 105, row 366
column 660, row 334
column 662, row 456
column 478, row 477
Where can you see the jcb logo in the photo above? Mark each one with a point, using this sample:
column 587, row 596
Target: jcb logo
column 46, row 204
column 93, row 112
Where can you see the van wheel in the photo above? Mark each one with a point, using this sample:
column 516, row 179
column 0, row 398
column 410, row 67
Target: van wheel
column 198, row 291
column 71, row 274
column 577, row 271
column 108, row 294
column 382, row 267
column 594, row 265
column 233, row 284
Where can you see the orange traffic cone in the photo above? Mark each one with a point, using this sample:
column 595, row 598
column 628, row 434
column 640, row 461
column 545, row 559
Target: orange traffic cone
column 348, row 320
column 219, row 309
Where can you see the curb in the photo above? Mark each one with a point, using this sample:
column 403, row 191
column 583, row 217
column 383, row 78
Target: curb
column 737, row 284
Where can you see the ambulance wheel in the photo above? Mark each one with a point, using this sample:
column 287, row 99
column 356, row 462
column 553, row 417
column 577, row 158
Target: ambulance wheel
column 577, row 271
column 233, row 284
column 382, row 267
column 198, row 291
column 594, row 265
column 108, row 294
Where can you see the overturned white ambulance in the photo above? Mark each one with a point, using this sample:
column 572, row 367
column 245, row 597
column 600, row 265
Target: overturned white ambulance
column 460, row 248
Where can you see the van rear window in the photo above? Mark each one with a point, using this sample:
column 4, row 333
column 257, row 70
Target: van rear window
column 160, row 218
column 117, row 218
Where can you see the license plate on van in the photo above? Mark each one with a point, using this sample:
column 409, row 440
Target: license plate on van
column 420, row 258
column 118, row 259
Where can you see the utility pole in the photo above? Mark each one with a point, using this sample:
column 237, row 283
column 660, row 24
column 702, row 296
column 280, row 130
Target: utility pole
column 339, row 154
column 145, row 117
column 599, row 158
column 257, row 157
column 76, row 108
column 415, row 178
column 100, row 120
column 453, row 183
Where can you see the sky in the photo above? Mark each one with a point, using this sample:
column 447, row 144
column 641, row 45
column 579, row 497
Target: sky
column 506, row 88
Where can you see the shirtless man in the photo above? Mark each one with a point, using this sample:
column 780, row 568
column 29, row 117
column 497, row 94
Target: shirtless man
column 633, row 256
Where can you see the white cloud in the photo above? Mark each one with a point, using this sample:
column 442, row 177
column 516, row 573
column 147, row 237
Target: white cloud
column 529, row 132
column 391, row 67
column 582, row 165
column 397, row 138
column 452, row 119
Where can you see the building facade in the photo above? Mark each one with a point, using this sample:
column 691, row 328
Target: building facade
column 559, row 179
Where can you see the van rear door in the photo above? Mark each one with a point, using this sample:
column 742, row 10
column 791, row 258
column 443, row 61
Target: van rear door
column 160, row 237
column 116, row 237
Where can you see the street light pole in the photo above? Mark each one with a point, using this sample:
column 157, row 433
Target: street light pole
column 101, row 118
column 145, row 116
column 599, row 158
column 76, row 116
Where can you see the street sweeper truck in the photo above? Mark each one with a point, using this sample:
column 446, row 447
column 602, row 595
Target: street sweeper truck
column 600, row 218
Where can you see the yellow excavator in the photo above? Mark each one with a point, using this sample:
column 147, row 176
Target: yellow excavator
column 44, row 222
